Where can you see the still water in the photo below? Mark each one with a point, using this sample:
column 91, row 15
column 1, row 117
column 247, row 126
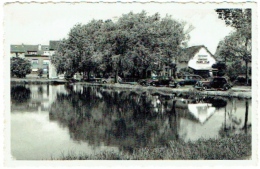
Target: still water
column 48, row 121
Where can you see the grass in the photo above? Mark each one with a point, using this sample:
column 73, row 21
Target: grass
column 228, row 148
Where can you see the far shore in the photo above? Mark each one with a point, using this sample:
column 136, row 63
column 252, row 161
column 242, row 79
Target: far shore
column 236, row 91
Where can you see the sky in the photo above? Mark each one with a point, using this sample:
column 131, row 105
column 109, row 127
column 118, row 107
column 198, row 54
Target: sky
column 40, row 23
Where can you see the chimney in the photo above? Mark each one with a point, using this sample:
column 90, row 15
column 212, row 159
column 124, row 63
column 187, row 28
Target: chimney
column 39, row 47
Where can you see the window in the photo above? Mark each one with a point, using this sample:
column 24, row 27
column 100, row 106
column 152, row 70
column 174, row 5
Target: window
column 35, row 61
column 46, row 53
column 46, row 62
column 32, row 53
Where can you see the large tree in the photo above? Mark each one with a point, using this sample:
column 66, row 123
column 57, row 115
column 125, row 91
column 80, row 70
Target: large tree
column 20, row 67
column 79, row 53
column 152, row 41
column 238, row 44
column 130, row 46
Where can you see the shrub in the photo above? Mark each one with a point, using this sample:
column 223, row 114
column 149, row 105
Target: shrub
column 186, row 70
column 20, row 67
column 40, row 72
column 234, row 69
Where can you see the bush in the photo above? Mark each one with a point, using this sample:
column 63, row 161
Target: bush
column 40, row 72
column 221, row 66
column 20, row 67
column 234, row 69
column 186, row 70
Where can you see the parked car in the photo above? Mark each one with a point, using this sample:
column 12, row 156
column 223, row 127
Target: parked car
column 160, row 81
column 148, row 82
column 91, row 79
column 241, row 80
column 111, row 79
column 189, row 79
column 62, row 76
column 175, row 84
column 222, row 83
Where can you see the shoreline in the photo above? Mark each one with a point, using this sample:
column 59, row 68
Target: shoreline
column 236, row 91
column 238, row 148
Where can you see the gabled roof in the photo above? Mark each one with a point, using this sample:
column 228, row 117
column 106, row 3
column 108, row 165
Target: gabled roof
column 29, row 48
column 43, row 48
column 32, row 48
column 54, row 45
column 17, row 48
column 189, row 52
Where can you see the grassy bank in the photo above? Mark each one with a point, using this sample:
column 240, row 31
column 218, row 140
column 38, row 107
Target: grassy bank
column 186, row 90
column 227, row 148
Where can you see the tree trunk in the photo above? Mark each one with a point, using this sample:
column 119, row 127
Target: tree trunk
column 88, row 75
column 174, row 73
column 116, row 76
column 246, row 72
column 174, row 123
column 246, row 60
column 246, row 117
column 144, row 73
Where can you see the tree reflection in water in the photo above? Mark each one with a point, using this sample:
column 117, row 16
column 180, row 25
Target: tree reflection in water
column 231, row 123
column 20, row 94
column 125, row 119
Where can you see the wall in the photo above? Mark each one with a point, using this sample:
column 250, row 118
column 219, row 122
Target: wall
column 202, row 56
column 40, row 64
column 52, row 71
column 49, row 53
column 19, row 55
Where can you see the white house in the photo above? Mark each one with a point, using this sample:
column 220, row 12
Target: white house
column 198, row 58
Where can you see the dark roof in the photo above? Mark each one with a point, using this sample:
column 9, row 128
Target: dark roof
column 54, row 45
column 29, row 48
column 32, row 48
column 189, row 52
column 17, row 48
column 43, row 48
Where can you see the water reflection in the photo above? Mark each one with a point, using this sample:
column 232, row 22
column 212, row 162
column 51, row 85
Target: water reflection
column 103, row 117
column 129, row 120
column 20, row 94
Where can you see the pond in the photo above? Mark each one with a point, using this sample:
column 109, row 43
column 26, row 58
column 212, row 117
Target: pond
column 48, row 121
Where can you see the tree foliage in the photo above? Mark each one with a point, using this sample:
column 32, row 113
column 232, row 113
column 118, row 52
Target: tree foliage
column 221, row 67
column 131, row 46
column 238, row 44
column 20, row 67
column 235, row 46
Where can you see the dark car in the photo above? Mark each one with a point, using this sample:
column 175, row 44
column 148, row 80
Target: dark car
column 168, row 82
column 189, row 79
column 175, row 84
column 241, row 80
column 222, row 83
column 160, row 81
column 148, row 82
column 111, row 79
